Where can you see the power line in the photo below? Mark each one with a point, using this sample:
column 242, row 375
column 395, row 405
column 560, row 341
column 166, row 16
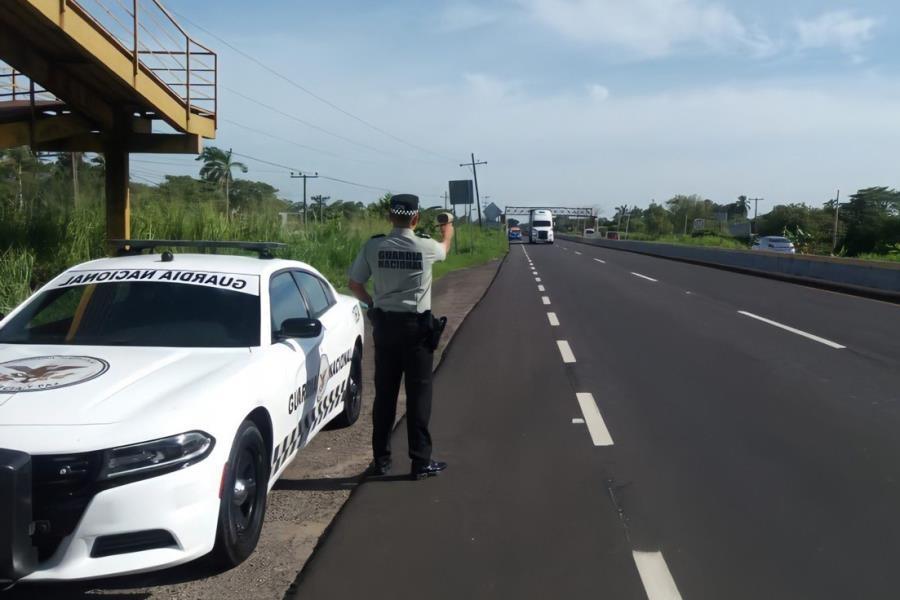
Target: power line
column 474, row 164
column 313, row 94
column 327, row 177
column 304, row 122
column 187, row 165
column 288, row 141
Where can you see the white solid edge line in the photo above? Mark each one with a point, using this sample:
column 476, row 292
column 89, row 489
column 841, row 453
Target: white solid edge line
column 541, row 288
column 655, row 576
column 593, row 418
column 600, row 260
column 810, row 336
column 554, row 321
column 566, row 351
column 643, row 276
column 545, row 299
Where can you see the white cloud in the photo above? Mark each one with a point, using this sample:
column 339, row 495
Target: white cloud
column 842, row 29
column 650, row 28
column 598, row 92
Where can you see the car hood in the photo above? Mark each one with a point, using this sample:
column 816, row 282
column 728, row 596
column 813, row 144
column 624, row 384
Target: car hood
column 90, row 385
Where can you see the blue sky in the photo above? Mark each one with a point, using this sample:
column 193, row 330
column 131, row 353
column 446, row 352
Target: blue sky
column 575, row 102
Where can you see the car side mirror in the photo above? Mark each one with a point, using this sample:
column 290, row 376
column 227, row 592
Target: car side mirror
column 299, row 328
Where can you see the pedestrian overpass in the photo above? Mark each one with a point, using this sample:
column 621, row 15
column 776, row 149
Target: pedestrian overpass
column 558, row 211
column 104, row 76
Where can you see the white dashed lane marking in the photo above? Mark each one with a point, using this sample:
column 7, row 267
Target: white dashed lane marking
column 643, row 277
column 545, row 299
column 600, row 260
column 593, row 418
column 566, row 351
column 655, row 576
column 554, row 321
column 537, row 279
column 577, row 421
column 810, row 336
column 541, row 288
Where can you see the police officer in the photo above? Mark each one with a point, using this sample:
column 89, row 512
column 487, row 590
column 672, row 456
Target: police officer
column 400, row 263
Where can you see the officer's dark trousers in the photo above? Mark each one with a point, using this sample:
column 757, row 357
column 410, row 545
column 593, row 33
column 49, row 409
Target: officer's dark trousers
column 401, row 350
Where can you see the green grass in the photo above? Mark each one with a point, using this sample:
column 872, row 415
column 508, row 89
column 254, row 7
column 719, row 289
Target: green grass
column 41, row 247
column 893, row 257
column 707, row 241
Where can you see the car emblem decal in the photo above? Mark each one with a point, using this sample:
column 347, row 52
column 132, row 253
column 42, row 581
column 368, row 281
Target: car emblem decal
column 40, row 373
column 324, row 376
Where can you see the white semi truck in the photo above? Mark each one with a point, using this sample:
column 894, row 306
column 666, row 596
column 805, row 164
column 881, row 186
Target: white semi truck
column 541, row 227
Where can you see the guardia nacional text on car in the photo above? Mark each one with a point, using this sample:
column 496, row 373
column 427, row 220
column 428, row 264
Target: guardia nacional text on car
column 148, row 403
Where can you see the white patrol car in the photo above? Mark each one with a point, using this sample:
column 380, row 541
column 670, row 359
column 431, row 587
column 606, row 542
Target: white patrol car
column 149, row 402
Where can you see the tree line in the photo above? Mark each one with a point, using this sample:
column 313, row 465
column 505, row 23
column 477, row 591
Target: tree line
column 868, row 223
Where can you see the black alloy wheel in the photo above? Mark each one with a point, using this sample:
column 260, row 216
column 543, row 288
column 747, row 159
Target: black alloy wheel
column 352, row 395
column 243, row 502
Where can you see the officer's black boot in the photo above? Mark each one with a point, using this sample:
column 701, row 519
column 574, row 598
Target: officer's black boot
column 428, row 469
column 379, row 466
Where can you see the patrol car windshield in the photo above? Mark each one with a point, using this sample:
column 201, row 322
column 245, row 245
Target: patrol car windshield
column 542, row 223
column 138, row 314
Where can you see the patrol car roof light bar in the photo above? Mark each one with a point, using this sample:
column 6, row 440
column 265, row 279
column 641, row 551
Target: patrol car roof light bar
column 131, row 247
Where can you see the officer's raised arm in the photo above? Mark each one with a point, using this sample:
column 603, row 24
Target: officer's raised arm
column 445, row 224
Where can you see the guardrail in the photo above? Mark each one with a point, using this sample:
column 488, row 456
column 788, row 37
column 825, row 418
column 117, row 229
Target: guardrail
column 868, row 278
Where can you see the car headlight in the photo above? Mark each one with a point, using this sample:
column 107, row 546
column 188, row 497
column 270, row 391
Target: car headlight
column 149, row 458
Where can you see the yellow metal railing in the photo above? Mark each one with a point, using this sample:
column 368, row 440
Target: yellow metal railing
column 18, row 87
column 155, row 43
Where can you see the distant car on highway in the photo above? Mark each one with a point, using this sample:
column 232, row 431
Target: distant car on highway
column 774, row 243
column 589, row 232
column 515, row 233
column 149, row 402
column 612, row 235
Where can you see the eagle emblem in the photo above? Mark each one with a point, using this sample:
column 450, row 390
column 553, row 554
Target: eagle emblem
column 41, row 373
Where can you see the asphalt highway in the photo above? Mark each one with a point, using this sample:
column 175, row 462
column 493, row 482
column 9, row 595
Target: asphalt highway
column 622, row 426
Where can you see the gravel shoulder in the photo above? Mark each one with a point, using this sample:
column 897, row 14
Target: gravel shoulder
column 303, row 502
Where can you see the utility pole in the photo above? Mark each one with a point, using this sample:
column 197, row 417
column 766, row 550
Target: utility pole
column 446, row 196
column 304, row 177
column 474, row 166
column 837, row 210
column 627, row 223
column 321, row 201
column 755, row 212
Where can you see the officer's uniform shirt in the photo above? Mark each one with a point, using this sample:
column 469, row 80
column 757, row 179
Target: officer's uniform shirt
column 401, row 265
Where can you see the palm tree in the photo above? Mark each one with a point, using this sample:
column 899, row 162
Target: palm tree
column 217, row 167
column 620, row 212
column 742, row 205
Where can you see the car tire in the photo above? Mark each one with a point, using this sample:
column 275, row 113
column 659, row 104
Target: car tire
column 242, row 507
column 352, row 395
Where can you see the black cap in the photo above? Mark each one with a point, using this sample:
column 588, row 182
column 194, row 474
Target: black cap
column 405, row 204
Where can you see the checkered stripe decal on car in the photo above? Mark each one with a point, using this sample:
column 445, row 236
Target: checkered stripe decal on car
column 291, row 442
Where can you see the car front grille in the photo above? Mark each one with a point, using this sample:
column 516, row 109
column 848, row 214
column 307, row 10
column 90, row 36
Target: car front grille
column 63, row 486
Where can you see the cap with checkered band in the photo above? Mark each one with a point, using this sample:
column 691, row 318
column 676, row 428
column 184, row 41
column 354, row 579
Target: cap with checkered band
column 405, row 204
